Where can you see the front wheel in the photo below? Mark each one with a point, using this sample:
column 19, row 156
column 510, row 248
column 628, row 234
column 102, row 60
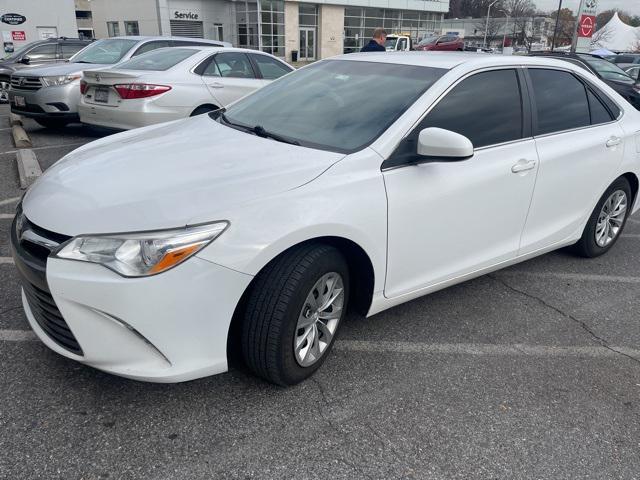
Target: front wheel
column 293, row 313
column 607, row 220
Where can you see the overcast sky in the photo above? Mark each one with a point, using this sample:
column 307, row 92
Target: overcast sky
column 631, row 6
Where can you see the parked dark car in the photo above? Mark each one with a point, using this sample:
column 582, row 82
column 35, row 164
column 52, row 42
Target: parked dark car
column 633, row 71
column 441, row 43
column 35, row 54
column 605, row 70
column 627, row 59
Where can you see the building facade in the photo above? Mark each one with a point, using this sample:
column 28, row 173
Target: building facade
column 313, row 30
column 38, row 20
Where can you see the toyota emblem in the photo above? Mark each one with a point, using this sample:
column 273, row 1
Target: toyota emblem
column 97, row 78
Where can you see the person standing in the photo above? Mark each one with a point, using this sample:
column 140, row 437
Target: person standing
column 376, row 44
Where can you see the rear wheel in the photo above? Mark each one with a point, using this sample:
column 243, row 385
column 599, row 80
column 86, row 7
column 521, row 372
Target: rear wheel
column 52, row 122
column 293, row 313
column 607, row 220
column 4, row 90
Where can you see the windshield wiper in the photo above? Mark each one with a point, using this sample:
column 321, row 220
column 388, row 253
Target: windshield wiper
column 82, row 61
column 257, row 130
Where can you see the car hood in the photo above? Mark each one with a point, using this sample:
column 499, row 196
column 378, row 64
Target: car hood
column 166, row 176
column 59, row 69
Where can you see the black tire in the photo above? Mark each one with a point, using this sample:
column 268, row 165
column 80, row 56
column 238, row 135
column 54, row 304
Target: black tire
column 274, row 305
column 587, row 246
column 202, row 109
column 52, row 122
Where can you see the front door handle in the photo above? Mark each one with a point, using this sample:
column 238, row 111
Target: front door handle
column 523, row 166
column 613, row 142
column 216, row 85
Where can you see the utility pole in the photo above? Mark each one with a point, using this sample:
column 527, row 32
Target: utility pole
column 574, row 40
column 555, row 30
column 486, row 26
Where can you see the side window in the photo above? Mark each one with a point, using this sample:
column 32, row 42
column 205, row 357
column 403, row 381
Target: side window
column 599, row 113
column 234, row 65
column 43, row 52
column 269, row 67
column 486, row 108
column 147, row 47
column 70, row 49
column 208, row 68
column 561, row 101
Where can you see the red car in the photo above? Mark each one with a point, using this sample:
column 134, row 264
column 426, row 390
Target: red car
column 441, row 43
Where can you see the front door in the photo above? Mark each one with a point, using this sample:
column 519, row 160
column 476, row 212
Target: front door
column 449, row 219
column 307, row 44
column 230, row 76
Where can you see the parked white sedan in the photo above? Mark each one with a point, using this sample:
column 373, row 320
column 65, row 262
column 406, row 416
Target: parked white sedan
column 361, row 181
column 172, row 83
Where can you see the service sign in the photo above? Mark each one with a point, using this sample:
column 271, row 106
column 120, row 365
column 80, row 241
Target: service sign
column 13, row 18
column 18, row 36
column 185, row 15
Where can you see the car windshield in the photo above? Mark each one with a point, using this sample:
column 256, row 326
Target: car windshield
column 158, row 60
column 428, row 40
column 390, row 42
column 106, row 52
column 336, row 105
column 607, row 70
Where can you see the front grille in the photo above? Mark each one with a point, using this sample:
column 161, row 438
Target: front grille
column 29, row 247
column 25, row 83
column 46, row 313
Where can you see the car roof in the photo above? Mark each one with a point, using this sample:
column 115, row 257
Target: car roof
column 144, row 38
column 449, row 60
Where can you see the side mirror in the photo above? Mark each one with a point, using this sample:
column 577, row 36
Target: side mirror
column 438, row 144
column 26, row 60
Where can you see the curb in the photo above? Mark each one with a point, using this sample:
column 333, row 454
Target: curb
column 28, row 167
column 20, row 137
column 15, row 119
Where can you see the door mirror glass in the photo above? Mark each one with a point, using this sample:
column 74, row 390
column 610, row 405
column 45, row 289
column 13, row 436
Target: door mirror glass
column 443, row 145
column 26, row 60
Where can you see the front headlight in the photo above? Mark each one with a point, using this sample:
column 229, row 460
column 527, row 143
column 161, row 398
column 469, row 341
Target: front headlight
column 141, row 254
column 60, row 80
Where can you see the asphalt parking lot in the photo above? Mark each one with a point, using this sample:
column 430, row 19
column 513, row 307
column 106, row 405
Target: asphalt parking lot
column 531, row 372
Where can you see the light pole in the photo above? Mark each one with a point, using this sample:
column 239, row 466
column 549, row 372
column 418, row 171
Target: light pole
column 555, row 30
column 486, row 26
column 506, row 25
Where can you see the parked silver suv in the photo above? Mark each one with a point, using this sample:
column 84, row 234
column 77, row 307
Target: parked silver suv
column 50, row 95
column 35, row 54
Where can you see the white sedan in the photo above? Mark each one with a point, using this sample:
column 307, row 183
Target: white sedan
column 361, row 181
column 173, row 83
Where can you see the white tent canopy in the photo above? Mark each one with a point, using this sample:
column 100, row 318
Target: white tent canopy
column 617, row 36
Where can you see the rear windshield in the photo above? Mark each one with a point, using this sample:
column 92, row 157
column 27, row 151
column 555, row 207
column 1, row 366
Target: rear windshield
column 105, row 52
column 158, row 60
column 608, row 70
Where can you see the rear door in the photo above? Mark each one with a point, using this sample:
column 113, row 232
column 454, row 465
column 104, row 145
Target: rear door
column 230, row 76
column 580, row 145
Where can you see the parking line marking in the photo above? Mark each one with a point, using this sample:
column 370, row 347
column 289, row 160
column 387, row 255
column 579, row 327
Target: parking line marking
column 570, row 276
column 483, row 349
column 6, row 261
column 7, row 201
column 630, row 235
column 47, row 146
column 633, row 220
column 18, row 336
column 6, row 216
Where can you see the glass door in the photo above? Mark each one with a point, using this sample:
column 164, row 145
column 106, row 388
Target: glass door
column 307, row 44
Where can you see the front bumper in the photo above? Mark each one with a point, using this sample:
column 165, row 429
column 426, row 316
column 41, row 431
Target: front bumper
column 170, row 327
column 48, row 102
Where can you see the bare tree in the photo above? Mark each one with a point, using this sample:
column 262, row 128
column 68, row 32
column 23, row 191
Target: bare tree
column 492, row 28
column 602, row 37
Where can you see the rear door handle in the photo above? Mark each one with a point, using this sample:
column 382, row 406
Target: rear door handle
column 216, row 85
column 613, row 142
column 523, row 166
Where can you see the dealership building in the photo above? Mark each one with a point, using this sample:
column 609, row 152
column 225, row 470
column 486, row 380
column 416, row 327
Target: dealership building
column 315, row 30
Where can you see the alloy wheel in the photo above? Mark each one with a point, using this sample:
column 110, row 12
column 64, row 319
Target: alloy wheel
column 4, row 92
column 611, row 218
column 318, row 319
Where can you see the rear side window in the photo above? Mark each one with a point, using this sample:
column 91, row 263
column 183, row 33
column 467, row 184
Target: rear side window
column 147, row 47
column 486, row 108
column 234, row 65
column 270, row 68
column 599, row 113
column 561, row 101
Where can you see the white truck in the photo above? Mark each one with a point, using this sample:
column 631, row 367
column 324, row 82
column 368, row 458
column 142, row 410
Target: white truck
column 398, row 43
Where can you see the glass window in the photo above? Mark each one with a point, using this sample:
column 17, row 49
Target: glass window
column 235, row 65
column 43, row 52
column 208, row 68
column 607, row 70
column 599, row 113
column 158, row 60
column 131, row 28
column 270, row 68
column 107, row 51
column 70, row 49
column 561, row 101
column 486, row 108
column 328, row 105
column 147, row 47
column 113, row 29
